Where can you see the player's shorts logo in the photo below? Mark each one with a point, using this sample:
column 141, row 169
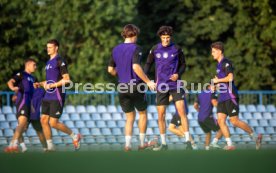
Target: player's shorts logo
column 22, row 112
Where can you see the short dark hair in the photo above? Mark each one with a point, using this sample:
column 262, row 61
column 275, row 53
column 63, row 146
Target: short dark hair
column 29, row 60
column 218, row 45
column 53, row 41
column 130, row 30
column 165, row 30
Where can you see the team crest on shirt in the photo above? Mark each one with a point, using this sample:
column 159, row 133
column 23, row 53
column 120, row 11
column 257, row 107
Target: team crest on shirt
column 158, row 55
column 165, row 55
column 48, row 67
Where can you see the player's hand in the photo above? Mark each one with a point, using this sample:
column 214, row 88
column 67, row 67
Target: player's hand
column 42, row 84
column 215, row 80
column 36, row 85
column 15, row 89
column 14, row 97
column 174, row 77
column 151, row 85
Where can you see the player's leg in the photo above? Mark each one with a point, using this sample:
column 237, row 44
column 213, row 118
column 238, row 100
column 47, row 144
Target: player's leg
column 21, row 141
column 130, row 118
column 184, row 120
column 162, row 123
column 39, row 131
column 47, row 131
column 207, row 140
column 172, row 128
column 224, row 129
column 194, row 146
column 214, row 143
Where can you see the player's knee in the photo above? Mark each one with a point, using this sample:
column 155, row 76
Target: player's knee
column 234, row 122
column 44, row 120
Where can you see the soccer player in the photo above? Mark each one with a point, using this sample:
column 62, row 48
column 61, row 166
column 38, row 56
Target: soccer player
column 228, row 100
column 22, row 84
column 52, row 104
column 125, row 63
column 170, row 65
column 204, row 105
column 176, row 128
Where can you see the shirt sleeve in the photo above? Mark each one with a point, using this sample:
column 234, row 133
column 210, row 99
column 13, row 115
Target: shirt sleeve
column 150, row 61
column 136, row 59
column 18, row 77
column 111, row 62
column 228, row 67
column 62, row 66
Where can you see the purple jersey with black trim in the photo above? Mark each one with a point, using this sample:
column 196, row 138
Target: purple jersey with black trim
column 227, row 91
column 204, row 99
column 55, row 68
column 25, row 82
column 123, row 57
column 36, row 103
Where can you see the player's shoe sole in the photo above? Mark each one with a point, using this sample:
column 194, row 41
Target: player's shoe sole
column 77, row 143
column 259, row 142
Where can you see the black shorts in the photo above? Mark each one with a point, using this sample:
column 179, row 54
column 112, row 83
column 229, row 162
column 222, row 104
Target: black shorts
column 176, row 120
column 209, row 124
column 229, row 107
column 36, row 125
column 53, row 108
column 163, row 98
column 23, row 110
column 129, row 101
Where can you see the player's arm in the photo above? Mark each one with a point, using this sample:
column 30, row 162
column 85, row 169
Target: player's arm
column 181, row 66
column 214, row 100
column 150, row 61
column 111, row 67
column 12, row 82
column 228, row 69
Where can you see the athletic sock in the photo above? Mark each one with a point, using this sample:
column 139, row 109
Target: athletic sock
column 23, row 146
column 215, row 141
column 128, row 141
column 207, row 148
column 50, row 144
column 163, row 139
column 187, row 136
column 73, row 136
column 142, row 139
column 228, row 141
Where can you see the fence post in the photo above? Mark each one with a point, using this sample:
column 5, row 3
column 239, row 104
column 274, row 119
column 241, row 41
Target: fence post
column 260, row 98
column 8, row 98
column 112, row 99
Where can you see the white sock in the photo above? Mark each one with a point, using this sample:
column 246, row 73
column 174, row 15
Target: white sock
column 163, row 139
column 253, row 136
column 142, row 139
column 228, row 141
column 128, row 141
column 215, row 141
column 187, row 136
column 73, row 136
column 14, row 143
column 23, row 146
column 207, row 148
column 50, row 144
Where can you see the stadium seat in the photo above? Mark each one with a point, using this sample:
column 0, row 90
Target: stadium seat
column 2, row 117
column 193, row 123
column 65, row 117
column 168, row 116
column 267, row 115
column 111, row 124
column 111, row 139
column 269, row 130
column 57, row 140
column 111, row 109
column 91, row 109
column 259, row 130
column 135, row 131
column 3, row 141
column 1, row 133
column 247, row 116
column 239, row 131
column 79, row 124
column 116, row 116
column 85, row 132
column 257, row 115
column 74, row 117
column 149, row 115
column 85, row 116
column 121, row 123
column 101, row 109
column 263, row 123
column 4, row 125
column 119, row 109
column 173, row 139
column 54, row 132
column 152, row 109
column 81, row 109
column 231, row 130
column 171, row 108
column 7, row 110
column 70, row 109
column 251, row 108
column 106, row 116
column 198, row 131
column 270, row 108
column 100, row 124
column 261, row 108
column 116, row 131
column 95, row 131
column 13, row 124
column 96, row 116
column 31, row 132
column 135, row 123
column 272, row 122
column 89, row 140
column 152, row 123
column 253, row 123
column 149, row 131
column 69, row 124
column 156, row 131
column 14, row 109
column 106, row 131
column 90, row 124
column 8, row 132
column 155, row 116
column 242, row 108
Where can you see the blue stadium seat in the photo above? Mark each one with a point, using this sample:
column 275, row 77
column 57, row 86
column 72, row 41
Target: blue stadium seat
column 235, row 138
column 272, row 122
column 69, row 124
column 95, row 131
column 247, row 116
column 85, row 116
column 171, row 108
column 135, row 123
column 198, row 131
column 70, row 109
column 149, row 131
column 173, row 139
column 191, row 108
column 91, row 109
column 119, row 109
column 246, row 138
column 54, row 132
column 261, row 108
column 193, row 123
column 267, row 115
column 117, row 116
column 90, row 124
column 13, row 124
column 31, row 132
column 116, row 131
column 100, row 124
column 121, row 123
column 251, row 108
column 152, row 123
column 111, row 109
column 266, row 138
column 89, row 140
column 253, row 123
column 239, row 131
column 100, row 140
column 0, row 110
column 81, row 109
column 135, row 131
column 96, row 116
column 2, row 117
column 4, row 125
column 263, row 123
column 106, row 116
column 57, row 140
column 106, row 131
column 257, row 115
column 156, row 131
column 149, row 115
column 8, row 132
column 269, row 130
column 111, row 139
column 155, row 116
column 259, row 130
column 1, row 133
column 7, row 110
column 101, row 109
column 3, row 141
column 111, row 124
column 85, row 132
column 270, row 108
column 14, row 109
column 65, row 117
column 152, row 109
column 168, row 116
column 74, row 117
column 79, row 124
column 242, row 108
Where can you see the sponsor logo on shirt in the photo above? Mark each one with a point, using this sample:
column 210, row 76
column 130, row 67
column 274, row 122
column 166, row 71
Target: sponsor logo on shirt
column 30, row 79
column 165, row 55
column 48, row 67
column 158, row 55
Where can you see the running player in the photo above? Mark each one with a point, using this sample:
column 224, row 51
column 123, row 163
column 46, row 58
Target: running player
column 170, row 65
column 125, row 62
column 52, row 104
column 228, row 100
